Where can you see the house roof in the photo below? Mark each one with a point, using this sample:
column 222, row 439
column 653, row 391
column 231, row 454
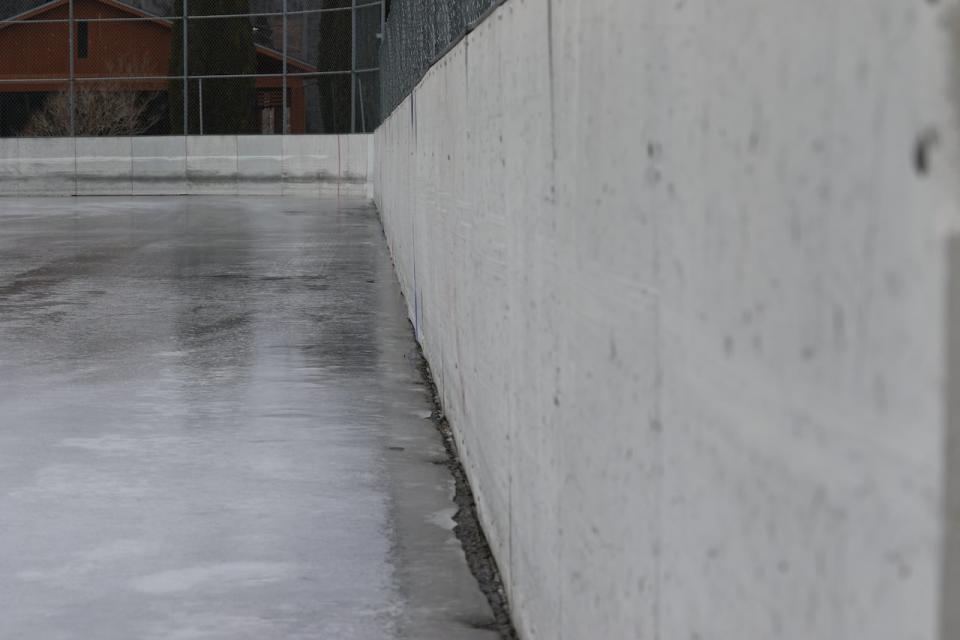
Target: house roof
column 35, row 12
column 44, row 7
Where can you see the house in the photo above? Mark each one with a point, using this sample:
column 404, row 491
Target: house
column 35, row 61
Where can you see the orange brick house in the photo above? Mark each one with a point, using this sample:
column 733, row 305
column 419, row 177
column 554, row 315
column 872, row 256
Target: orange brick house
column 35, row 60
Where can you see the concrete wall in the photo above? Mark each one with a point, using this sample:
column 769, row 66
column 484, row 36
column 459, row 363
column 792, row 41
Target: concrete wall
column 679, row 270
column 242, row 165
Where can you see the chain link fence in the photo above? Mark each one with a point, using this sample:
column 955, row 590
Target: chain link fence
column 417, row 34
column 169, row 67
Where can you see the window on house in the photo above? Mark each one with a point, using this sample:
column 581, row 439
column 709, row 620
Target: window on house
column 83, row 39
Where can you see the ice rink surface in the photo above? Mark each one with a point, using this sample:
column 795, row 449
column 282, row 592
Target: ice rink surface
column 212, row 425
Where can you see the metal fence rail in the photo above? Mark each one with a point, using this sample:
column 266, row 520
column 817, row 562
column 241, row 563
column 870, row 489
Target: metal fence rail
column 155, row 67
column 418, row 33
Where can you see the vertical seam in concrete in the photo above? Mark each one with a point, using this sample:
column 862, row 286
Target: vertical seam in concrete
column 512, row 576
column 131, row 165
column 416, row 289
column 659, row 429
column 19, row 170
column 950, row 581
column 76, row 169
column 553, row 115
column 659, row 434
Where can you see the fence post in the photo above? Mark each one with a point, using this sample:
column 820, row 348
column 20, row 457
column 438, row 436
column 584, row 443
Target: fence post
column 73, row 90
column 353, row 66
column 200, row 101
column 283, row 107
column 186, row 69
column 363, row 115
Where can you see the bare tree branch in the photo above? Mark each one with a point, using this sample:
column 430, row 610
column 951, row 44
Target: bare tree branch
column 103, row 108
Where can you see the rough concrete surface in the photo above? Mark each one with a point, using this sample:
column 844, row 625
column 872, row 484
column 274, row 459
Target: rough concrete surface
column 678, row 269
column 213, row 425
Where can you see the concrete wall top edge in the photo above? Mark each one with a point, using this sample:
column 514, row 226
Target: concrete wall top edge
column 185, row 165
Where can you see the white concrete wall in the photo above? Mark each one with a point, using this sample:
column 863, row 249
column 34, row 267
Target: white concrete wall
column 679, row 270
column 242, row 165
